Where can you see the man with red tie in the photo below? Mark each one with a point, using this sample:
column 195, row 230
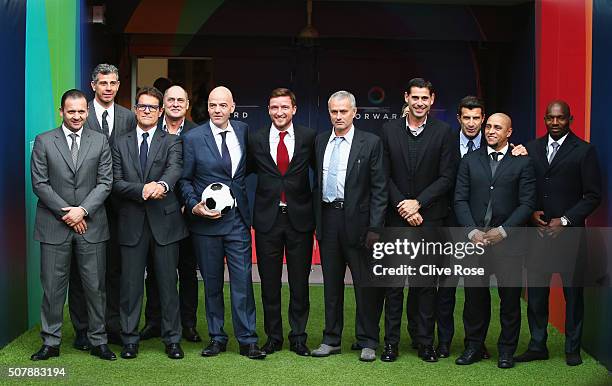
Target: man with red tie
column 283, row 218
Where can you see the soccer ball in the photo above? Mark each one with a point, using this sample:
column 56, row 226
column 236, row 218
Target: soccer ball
column 218, row 197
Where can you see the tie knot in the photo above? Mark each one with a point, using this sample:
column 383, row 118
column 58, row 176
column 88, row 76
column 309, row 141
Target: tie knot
column 145, row 135
column 105, row 114
column 495, row 155
column 223, row 134
column 555, row 145
column 74, row 136
column 282, row 135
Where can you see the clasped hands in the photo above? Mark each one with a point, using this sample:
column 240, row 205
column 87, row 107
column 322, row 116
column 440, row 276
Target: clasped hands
column 409, row 210
column 551, row 228
column 488, row 238
column 154, row 191
column 75, row 219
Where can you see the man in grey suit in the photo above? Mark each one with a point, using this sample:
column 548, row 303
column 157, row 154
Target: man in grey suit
column 113, row 120
column 147, row 163
column 72, row 176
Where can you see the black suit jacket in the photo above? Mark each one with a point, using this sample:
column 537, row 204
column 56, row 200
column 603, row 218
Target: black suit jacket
column 571, row 185
column 512, row 191
column 164, row 163
column 124, row 122
column 295, row 182
column 365, row 186
column 435, row 170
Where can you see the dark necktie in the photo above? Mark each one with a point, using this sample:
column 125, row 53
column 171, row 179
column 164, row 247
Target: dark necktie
column 144, row 149
column 105, row 127
column 489, row 212
column 494, row 161
column 226, row 159
column 74, row 148
column 470, row 146
column 555, row 145
column 282, row 159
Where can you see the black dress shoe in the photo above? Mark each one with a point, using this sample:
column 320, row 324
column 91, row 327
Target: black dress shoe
column 174, row 351
column 531, row 355
column 272, row 346
column 485, row 353
column 114, row 337
column 300, row 349
column 251, row 351
column 81, row 342
column 573, row 359
column 390, row 353
column 130, row 351
column 103, row 352
column 505, row 361
column 191, row 334
column 427, row 353
column 356, row 347
column 149, row 331
column 213, row 349
column 45, row 353
column 469, row 356
column 443, row 350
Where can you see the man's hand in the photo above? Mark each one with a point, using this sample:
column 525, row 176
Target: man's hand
column 478, row 237
column 407, row 208
column 81, row 227
column 201, row 210
column 493, row 236
column 74, row 215
column 415, row 220
column 554, row 227
column 536, row 219
column 371, row 239
column 148, row 190
column 518, row 150
column 158, row 193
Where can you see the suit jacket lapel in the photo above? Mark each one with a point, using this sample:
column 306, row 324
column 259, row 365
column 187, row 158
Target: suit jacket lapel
column 401, row 135
column 155, row 146
column 484, row 161
column 62, row 146
column 210, row 141
column 503, row 165
column 320, row 155
column 240, row 134
column 264, row 142
column 84, row 148
column 92, row 119
column 132, row 143
column 426, row 136
column 296, row 147
column 564, row 150
column 354, row 152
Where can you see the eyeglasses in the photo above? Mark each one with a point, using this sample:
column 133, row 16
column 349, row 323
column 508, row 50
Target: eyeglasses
column 145, row 107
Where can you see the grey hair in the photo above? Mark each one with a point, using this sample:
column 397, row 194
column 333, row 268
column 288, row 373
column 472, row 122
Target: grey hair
column 343, row 95
column 104, row 69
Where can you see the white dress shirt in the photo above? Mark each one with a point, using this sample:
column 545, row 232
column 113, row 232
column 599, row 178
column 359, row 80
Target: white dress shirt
column 549, row 148
column 67, row 133
column 231, row 140
column 275, row 139
column 140, row 132
column 345, row 149
column 504, row 150
column 416, row 130
column 110, row 119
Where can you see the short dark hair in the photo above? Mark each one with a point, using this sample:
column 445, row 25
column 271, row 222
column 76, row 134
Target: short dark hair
column 73, row 94
column 104, row 69
column 281, row 92
column 419, row 83
column 151, row 91
column 471, row 102
column 162, row 84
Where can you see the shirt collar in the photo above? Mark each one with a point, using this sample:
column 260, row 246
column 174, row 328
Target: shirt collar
column 216, row 130
column 275, row 133
column 99, row 108
column 464, row 140
column 422, row 126
column 559, row 141
column 504, row 150
column 151, row 131
column 67, row 131
column 348, row 136
column 165, row 128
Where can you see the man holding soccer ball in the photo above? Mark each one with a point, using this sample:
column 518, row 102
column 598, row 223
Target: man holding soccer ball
column 216, row 153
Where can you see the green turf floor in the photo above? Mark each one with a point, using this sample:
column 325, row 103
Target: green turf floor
column 153, row 367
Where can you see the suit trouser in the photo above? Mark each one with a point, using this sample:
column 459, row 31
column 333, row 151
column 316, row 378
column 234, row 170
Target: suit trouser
column 271, row 246
column 188, row 288
column 444, row 309
column 76, row 297
column 336, row 254
column 236, row 248
column 537, row 312
column 133, row 263
column 55, row 267
column 477, row 311
column 367, row 328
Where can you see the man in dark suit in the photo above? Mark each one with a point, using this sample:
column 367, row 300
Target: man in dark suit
column 569, row 189
column 283, row 218
column 72, row 176
column 173, row 121
column 113, row 120
column 217, row 152
column 147, row 163
column 494, row 193
column 419, row 157
column 350, row 201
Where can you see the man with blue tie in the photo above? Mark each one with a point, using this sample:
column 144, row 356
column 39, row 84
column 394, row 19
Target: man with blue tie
column 350, row 202
column 216, row 152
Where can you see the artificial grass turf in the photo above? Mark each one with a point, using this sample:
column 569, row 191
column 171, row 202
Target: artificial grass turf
column 153, row 367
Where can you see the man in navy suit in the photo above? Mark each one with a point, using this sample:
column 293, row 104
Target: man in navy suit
column 217, row 152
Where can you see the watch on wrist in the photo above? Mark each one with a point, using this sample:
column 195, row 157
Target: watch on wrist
column 564, row 221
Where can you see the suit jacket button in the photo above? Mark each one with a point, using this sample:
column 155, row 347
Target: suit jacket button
column 491, row 187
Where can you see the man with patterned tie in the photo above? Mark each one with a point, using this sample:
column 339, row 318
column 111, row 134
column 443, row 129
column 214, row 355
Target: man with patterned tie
column 283, row 219
column 217, row 152
column 350, row 202
column 72, row 176
column 494, row 193
column 113, row 120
